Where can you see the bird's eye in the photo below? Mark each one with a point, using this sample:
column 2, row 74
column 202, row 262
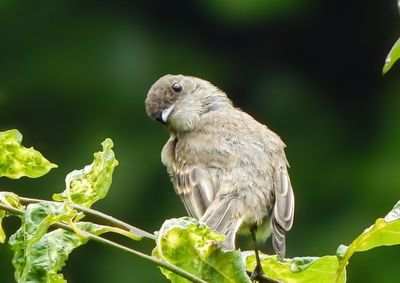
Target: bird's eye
column 177, row 87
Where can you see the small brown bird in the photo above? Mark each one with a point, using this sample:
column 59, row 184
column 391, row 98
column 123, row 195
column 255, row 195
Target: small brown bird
column 229, row 170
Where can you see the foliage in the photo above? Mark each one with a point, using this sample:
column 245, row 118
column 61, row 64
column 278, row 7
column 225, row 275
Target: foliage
column 197, row 249
column 11, row 200
column 392, row 57
column 385, row 232
column 302, row 269
column 184, row 249
column 39, row 254
column 17, row 161
column 90, row 184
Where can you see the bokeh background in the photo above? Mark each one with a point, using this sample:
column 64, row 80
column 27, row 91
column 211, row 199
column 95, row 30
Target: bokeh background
column 75, row 72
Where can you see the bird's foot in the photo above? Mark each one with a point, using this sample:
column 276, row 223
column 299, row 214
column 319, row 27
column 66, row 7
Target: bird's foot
column 258, row 276
column 257, row 273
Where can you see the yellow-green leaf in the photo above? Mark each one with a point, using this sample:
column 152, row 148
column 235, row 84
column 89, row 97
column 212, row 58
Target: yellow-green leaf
column 17, row 161
column 35, row 223
column 385, row 232
column 90, row 184
column 2, row 234
column 197, row 249
column 9, row 199
column 297, row 270
column 39, row 255
column 392, row 57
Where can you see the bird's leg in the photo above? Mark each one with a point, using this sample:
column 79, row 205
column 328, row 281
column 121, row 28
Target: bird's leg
column 258, row 271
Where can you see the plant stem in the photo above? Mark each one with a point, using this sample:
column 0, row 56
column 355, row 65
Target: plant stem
column 104, row 241
column 138, row 233
column 11, row 209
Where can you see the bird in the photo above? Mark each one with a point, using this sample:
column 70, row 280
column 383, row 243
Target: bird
column 229, row 170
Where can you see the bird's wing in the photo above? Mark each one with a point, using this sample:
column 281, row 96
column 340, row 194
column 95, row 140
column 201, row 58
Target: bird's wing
column 196, row 173
column 194, row 185
column 282, row 218
column 191, row 179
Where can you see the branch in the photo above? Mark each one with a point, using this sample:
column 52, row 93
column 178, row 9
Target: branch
column 11, row 209
column 104, row 241
column 104, row 217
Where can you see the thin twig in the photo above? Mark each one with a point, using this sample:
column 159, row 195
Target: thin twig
column 139, row 233
column 11, row 209
column 104, row 241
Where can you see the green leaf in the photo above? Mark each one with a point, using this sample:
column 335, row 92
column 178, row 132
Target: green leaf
column 9, row 199
column 39, row 258
column 297, row 270
column 50, row 253
column 17, row 161
column 90, row 184
column 48, row 256
column 392, row 57
column 197, row 249
column 2, row 233
column 35, row 223
column 39, row 255
column 385, row 232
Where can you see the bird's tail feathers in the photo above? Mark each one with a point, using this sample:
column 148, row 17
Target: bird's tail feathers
column 278, row 239
column 221, row 218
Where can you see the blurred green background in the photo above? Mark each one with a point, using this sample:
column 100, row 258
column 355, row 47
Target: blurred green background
column 75, row 72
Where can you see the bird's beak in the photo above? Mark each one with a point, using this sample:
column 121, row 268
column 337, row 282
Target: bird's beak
column 165, row 114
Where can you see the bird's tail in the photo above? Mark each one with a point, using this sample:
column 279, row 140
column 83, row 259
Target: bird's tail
column 220, row 216
column 278, row 239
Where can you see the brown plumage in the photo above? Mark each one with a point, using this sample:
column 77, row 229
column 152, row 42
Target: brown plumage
column 229, row 170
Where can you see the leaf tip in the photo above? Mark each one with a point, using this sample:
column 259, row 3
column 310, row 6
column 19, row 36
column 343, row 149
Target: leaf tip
column 386, row 67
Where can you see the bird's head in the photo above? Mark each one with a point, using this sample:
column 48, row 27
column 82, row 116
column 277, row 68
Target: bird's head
column 179, row 101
